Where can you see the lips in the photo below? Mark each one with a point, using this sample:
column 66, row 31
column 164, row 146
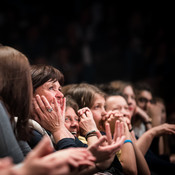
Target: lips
column 130, row 108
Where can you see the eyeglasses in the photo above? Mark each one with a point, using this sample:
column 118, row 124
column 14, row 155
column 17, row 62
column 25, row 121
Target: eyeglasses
column 145, row 100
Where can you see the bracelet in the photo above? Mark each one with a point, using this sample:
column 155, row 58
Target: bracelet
column 126, row 141
column 90, row 133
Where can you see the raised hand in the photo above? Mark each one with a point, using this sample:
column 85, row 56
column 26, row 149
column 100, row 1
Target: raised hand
column 42, row 161
column 51, row 120
column 87, row 122
column 105, row 153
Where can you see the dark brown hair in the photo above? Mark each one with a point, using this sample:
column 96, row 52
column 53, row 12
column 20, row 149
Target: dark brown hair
column 43, row 73
column 16, row 87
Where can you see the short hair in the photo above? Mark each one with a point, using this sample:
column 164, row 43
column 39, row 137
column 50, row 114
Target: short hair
column 42, row 73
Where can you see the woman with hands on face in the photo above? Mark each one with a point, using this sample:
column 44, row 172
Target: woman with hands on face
column 131, row 158
column 15, row 78
column 48, row 106
column 49, row 103
column 83, row 121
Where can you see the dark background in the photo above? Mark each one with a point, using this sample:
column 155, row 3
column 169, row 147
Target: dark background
column 96, row 41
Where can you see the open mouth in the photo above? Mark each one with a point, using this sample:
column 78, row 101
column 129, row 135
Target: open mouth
column 74, row 133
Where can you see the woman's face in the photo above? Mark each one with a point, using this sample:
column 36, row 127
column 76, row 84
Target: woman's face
column 130, row 98
column 163, row 112
column 118, row 103
column 71, row 121
column 98, row 110
column 50, row 90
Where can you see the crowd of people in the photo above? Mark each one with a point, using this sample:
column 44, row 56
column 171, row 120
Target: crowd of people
column 48, row 128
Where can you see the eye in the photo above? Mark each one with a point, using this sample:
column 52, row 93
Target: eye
column 51, row 88
column 77, row 119
column 97, row 106
column 67, row 119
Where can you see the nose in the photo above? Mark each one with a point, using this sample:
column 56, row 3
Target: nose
column 129, row 100
column 59, row 94
column 103, row 112
column 74, row 123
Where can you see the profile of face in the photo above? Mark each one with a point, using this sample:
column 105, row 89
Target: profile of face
column 71, row 121
column 51, row 90
column 119, row 104
column 163, row 111
column 144, row 98
column 98, row 110
column 130, row 98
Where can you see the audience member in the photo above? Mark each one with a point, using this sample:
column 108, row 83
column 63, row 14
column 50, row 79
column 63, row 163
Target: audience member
column 156, row 163
column 49, row 110
column 15, row 78
column 88, row 95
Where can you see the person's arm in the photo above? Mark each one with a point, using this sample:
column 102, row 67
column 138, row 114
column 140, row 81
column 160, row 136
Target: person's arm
column 128, row 157
column 146, row 119
column 142, row 166
column 8, row 143
column 42, row 160
column 145, row 140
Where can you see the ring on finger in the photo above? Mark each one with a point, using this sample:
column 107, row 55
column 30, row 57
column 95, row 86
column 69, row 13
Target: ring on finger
column 50, row 110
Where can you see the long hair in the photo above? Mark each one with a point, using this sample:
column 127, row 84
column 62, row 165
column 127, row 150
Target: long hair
column 16, row 88
column 43, row 73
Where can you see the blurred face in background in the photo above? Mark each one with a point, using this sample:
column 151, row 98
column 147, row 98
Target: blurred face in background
column 144, row 98
column 118, row 103
column 71, row 121
column 98, row 110
column 163, row 111
column 130, row 98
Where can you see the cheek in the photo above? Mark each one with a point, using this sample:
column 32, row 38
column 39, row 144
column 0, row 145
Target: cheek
column 67, row 125
column 97, row 116
column 49, row 96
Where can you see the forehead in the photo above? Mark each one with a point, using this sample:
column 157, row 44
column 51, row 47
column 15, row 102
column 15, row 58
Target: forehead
column 70, row 112
column 116, row 100
column 128, row 90
column 48, row 83
column 99, row 98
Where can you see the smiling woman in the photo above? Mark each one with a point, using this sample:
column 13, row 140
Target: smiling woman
column 49, row 104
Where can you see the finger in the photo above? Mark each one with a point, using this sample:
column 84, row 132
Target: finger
column 99, row 135
column 40, row 103
column 122, row 131
column 45, row 101
column 115, row 147
column 58, row 109
column 108, row 133
column 37, row 109
column 83, row 116
column 101, row 140
column 116, row 130
column 63, row 107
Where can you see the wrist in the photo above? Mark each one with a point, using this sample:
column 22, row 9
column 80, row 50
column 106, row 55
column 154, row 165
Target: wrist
column 128, row 141
column 90, row 134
